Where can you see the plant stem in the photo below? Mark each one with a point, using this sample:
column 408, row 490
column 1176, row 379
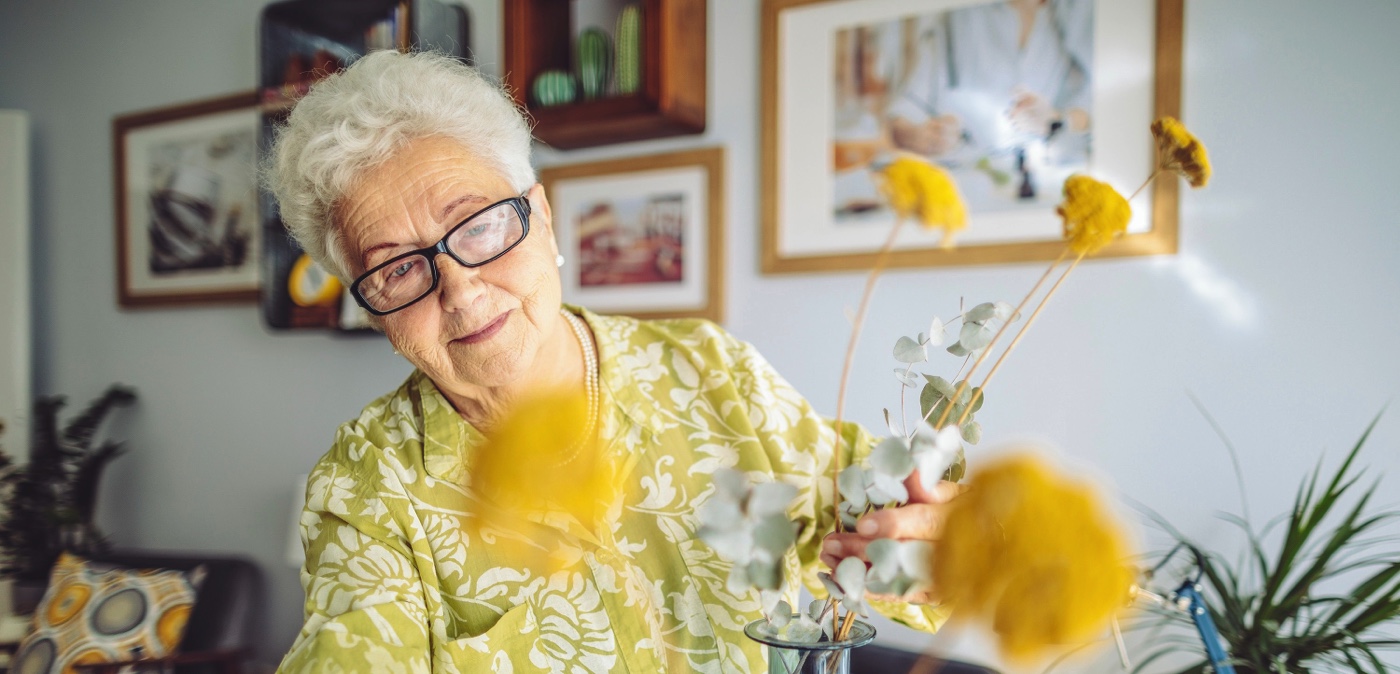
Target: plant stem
column 943, row 418
column 1029, row 321
column 1145, row 183
column 850, row 358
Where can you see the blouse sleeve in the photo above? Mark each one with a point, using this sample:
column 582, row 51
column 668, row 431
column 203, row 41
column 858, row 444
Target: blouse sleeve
column 799, row 445
column 364, row 599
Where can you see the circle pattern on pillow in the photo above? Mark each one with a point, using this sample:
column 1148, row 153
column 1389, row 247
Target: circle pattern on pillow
column 71, row 598
column 36, row 657
column 95, row 613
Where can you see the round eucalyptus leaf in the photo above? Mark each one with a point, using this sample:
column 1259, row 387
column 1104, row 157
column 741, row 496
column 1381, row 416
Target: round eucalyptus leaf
column 966, row 394
column 732, row 543
column 731, row 484
column 774, row 536
column 883, row 554
column 851, row 482
column 976, row 335
column 908, row 377
column 720, row 513
column 1005, row 312
column 980, row 313
column 937, row 332
column 916, row 560
column 942, row 386
column 780, row 615
column 972, row 432
column 884, row 490
column 804, row 631
column 770, row 498
column 891, row 459
column 957, row 349
column 909, row 351
column 850, row 575
column 977, row 398
column 766, row 575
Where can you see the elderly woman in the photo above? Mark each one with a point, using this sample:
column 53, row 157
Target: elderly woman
column 408, row 176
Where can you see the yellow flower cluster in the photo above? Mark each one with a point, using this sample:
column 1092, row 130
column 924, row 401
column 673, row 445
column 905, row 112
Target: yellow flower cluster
column 1178, row 150
column 1034, row 554
column 1094, row 213
column 918, row 189
column 539, row 460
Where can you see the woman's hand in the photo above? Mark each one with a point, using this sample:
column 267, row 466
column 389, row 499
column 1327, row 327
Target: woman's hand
column 920, row 519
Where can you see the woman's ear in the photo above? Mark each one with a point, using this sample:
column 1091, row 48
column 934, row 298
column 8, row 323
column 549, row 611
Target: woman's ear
column 540, row 203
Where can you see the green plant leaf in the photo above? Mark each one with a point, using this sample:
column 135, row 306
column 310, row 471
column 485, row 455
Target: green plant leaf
column 972, row 432
column 979, row 313
column 942, row 386
column 909, row 351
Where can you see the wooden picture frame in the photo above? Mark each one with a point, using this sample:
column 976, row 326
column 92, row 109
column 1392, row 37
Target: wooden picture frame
column 642, row 236
column 799, row 147
column 185, row 187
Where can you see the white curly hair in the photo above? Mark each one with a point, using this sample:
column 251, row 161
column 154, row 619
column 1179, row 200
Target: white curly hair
column 356, row 119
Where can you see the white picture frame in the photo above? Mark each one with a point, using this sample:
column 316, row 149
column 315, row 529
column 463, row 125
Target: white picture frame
column 1136, row 78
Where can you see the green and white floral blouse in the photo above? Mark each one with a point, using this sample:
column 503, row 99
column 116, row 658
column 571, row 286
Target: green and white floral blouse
column 395, row 583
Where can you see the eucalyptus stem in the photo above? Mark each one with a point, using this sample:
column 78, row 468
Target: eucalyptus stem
column 846, row 368
column 987, row 350
column 1022, row 333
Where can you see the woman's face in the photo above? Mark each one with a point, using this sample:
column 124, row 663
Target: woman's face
column 483, row 326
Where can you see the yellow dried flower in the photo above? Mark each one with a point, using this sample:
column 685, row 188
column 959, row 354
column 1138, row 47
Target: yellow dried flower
column 540, row 462
column 1094, row 213
column 918, row 189
column 1032, row 554
column 1179, row 151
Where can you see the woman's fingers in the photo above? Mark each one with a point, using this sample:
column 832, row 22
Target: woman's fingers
column 942, row 492
column 843, row 545
column 916, row 521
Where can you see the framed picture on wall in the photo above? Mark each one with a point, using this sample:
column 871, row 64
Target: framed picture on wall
column 187, row 203
column 1010, row 96
column 642, row 236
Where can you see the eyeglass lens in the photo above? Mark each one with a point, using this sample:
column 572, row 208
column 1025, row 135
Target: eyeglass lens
column 481, row 238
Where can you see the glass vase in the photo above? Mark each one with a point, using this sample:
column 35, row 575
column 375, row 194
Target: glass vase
column 820, row 657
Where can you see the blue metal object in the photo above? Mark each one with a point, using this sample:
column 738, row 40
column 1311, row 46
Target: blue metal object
column 1189, row 597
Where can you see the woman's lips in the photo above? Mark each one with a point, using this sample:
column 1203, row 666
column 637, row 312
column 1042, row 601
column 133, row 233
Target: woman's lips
column 485, row 333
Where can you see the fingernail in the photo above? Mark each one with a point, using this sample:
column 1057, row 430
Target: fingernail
column 867, row 527
column 832, row 548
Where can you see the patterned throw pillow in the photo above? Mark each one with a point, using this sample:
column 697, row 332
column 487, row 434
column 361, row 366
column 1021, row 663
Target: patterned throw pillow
column 96, row 613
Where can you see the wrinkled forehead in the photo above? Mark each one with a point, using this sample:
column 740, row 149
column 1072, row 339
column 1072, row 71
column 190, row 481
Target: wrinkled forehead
column 412, row 198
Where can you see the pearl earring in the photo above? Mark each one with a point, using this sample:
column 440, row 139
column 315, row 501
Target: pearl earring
column 558, row 260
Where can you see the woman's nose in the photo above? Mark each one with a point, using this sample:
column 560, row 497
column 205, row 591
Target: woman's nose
column 458, row 286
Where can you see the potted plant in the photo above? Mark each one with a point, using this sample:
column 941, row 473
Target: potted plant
column 1319, row 602
column 49, row 503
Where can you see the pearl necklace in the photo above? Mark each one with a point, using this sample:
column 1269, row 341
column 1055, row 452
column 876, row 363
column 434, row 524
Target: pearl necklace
column 590, row 378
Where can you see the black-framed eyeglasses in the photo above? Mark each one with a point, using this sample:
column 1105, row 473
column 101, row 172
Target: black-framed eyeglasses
column 481, row 238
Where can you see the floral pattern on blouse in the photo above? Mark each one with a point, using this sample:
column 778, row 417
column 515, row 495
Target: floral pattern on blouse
column 395, row 582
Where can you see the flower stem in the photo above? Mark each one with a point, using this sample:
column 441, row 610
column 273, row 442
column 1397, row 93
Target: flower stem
column 997, row 365
column 943, row 418
column 1145, row 183
column 850, row 358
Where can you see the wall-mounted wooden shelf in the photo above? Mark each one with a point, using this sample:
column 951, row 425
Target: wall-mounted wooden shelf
column 671, row 99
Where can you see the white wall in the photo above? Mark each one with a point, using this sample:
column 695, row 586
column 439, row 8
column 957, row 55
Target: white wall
column 1280, row 312
column 15, row 355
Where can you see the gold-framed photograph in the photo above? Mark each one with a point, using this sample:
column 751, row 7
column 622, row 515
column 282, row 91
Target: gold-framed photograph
column 1009, row 96
column 642, row 236
column 185, row 182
